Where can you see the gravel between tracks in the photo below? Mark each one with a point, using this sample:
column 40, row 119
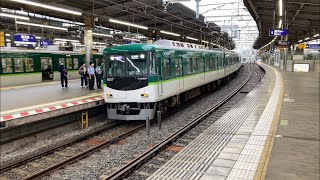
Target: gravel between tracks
column 44, row 144
column 105, row 161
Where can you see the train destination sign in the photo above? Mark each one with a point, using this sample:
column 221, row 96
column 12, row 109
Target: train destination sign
column 278, row 32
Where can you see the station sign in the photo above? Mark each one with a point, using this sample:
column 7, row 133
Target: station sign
column 313, row 46
column 278, row 32
column 26, row 40
column 45, row 42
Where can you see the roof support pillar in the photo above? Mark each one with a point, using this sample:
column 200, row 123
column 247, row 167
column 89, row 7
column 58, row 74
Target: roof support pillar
column 88, row 39
column 197, row 8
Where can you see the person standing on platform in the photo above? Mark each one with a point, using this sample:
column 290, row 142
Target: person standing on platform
column 92, row 75
column 63, row 75
column 83, row 74
column 99, row 75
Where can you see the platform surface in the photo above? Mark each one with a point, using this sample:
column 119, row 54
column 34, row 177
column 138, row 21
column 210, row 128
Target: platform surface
column 295, row 153
column 15, row 98
column 233, row 146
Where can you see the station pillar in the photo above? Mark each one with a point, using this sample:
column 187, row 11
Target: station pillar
column 88, row 39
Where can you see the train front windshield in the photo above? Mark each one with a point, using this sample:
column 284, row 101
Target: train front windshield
column 134, row 64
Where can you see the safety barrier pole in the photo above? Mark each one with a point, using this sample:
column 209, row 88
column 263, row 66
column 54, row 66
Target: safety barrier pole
column 159, row 119
column 84, row 119
column 148, row 126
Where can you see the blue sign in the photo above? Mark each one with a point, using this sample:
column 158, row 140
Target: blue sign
column 278, row 32
column 45, row 42
column 28, row 40
column 313, row 46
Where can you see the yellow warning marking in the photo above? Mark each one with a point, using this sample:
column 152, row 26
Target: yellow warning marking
column 49, row 104
column 266, row 154
column 32, row 85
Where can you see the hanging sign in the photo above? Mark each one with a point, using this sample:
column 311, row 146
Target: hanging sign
column 278, row 32
column 28, row 40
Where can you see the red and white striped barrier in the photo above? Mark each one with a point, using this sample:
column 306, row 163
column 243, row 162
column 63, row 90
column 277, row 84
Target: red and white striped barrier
column 48, row 109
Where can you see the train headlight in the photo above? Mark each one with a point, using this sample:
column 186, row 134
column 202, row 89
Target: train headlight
column 142, row 56
column 109, row 95
column 145, row 95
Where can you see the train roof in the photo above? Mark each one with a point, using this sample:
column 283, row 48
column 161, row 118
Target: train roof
column 37, row 51
column 160, row 44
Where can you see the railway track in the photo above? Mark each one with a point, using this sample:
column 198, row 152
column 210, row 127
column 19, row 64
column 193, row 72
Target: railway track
column 43, row 163
column 139, row 166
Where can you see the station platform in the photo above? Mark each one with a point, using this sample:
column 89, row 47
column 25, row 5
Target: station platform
column 246, row 144
column 21, row 102
column 295, row 153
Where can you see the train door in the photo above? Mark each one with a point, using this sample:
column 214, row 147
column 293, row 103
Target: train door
column 46, row 68
column 159, row 58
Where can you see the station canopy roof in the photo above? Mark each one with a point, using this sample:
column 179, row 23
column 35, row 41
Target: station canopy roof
column 301, row 17
column 153, row 14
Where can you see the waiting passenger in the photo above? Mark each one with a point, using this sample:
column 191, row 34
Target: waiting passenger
column 47, row 72
column 92, row 75
column 63, row 75
column 99, row 76
column 83, row 74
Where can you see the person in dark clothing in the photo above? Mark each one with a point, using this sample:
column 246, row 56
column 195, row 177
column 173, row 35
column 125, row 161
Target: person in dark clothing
column 99, row 75
column 49, row 69
column 91, row 75
column 83, row 75
column 63, row 75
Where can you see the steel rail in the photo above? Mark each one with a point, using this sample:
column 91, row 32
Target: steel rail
column 82, row 155
column 11, row 165
column 134, row 164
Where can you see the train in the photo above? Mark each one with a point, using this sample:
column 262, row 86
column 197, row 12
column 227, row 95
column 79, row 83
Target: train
column 24, row 67
column 142, row 79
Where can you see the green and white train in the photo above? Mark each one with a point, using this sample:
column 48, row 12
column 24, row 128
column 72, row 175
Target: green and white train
column 141, row 79
column 24, row 67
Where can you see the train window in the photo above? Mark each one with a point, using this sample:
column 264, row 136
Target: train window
column 202, row 64
column 195, row 65
column 18, row 65
column 62, row 60
column 181, row 45
column 216, row 61
column 116, row 65
column 167, row 68
column 96, row 61
column 179, row 67
column 208, row 64
column 173, row 44
column 69, row 63
column 211, row 64
column 45, row 62
column 29, row 64
column 6, row 65
column 190, row 66
column 152, row 64
column 75, row 63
